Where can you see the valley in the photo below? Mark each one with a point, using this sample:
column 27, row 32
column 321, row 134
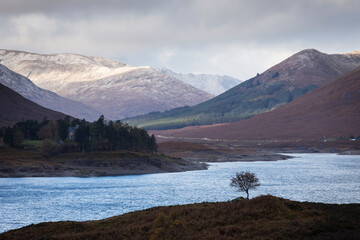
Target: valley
column 320, row 121
column 329, row 113
column 308, row 103
column 162, row 120
column 277, row 86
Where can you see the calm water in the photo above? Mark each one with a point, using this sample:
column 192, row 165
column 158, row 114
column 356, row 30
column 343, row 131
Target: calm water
column 325, row 178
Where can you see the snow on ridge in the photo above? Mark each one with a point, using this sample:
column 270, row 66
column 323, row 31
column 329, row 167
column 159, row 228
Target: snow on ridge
column 61, row 58
column 356, row 52
column 43, row 69
column 212, row 83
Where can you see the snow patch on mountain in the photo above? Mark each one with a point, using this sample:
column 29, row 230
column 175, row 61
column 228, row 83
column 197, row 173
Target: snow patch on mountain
column 213, row 84
column 115, row 89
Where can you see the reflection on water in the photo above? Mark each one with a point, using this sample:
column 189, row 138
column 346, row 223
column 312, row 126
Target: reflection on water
column 325, row 178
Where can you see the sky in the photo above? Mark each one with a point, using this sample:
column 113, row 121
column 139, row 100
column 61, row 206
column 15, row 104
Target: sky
column 239, row 38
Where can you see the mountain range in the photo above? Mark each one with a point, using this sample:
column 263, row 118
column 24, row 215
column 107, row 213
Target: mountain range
column 211, row 83
column 279, row 85
column 45, row 98
column 332, row 110
column 15, row 108
column 113, row 88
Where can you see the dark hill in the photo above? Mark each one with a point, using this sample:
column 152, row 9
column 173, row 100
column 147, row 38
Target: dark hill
column 14, row 108
column 275, row 87
column 264, row 217
column 332, row 110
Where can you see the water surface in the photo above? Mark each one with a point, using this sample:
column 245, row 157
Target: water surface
column 327, row 178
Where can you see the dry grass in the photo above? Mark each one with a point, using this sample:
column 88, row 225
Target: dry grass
column 264, row 217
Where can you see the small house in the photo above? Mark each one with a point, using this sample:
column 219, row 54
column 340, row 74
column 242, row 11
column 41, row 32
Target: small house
column 72, row 131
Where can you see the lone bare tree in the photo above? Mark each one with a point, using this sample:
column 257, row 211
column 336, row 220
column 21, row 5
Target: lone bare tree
column 244, row 181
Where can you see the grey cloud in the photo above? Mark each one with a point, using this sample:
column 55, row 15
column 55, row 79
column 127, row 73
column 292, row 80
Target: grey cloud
column 149, row 30
column 77, row 6
column 196, row 22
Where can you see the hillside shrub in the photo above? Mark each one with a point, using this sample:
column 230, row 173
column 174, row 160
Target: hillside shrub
column 47, row 148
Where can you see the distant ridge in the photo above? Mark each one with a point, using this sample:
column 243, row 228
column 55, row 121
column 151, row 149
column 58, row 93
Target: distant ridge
column 15, row 108
column 332, row 110
column 115, row 89
column 279, row 85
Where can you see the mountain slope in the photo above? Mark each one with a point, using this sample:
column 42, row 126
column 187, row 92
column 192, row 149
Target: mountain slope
column 135, row 92
column 45, row 98
column 277, row 86
column 14, row 108
column 213, row 84
column 332, row 110
column 115, row 89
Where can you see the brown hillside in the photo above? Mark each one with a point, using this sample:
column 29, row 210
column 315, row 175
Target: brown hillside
column 332, row 110
column 14, row 108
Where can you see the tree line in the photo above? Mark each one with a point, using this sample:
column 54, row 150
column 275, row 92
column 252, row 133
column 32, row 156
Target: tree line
column 100, row 135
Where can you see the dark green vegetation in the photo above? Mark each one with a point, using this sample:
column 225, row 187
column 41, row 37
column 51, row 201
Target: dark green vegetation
column 76, row 135
column 78, row 148
column 264, row 217
column 243, row 101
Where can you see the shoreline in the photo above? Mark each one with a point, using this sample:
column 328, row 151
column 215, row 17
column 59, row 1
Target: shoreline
column 134, row 166
column 16, row 164
column 172, row 157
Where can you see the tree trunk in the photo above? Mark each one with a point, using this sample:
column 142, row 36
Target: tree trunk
column 247, row 193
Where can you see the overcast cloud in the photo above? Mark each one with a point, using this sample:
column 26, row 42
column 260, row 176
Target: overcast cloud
column 238, row 38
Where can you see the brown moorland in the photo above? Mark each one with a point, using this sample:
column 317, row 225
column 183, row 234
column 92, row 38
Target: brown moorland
column 30, row 162
column 332, row 110
column 264, row 217
column 15, row 108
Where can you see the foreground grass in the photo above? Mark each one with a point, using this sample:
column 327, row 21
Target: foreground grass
column 264, row 217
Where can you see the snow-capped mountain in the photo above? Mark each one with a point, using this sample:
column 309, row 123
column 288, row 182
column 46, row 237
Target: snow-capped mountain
column 45, row 98
column 116, row 89
column 135, row 92
column 213, row 84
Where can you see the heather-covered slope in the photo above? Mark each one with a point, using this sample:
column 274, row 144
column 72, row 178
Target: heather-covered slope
column 45, row 98
column 113, row 88
column 277, row 86
column 332, row 110
column 264, row 217
column 14, row 108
